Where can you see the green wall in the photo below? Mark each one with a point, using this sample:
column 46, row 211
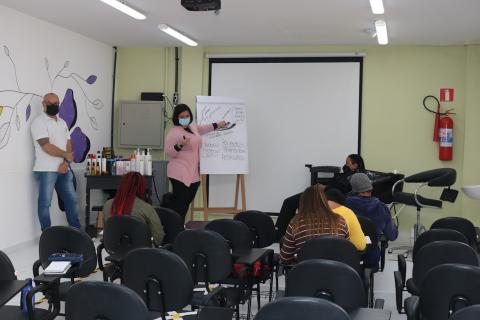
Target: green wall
column 396, row 130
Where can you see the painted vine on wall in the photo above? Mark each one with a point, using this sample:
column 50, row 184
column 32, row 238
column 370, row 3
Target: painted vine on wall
column 10, row 114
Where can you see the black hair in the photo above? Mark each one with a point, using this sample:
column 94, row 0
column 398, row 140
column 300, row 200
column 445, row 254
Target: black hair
column 179, row 108
column 335, row 195
column 358, row 160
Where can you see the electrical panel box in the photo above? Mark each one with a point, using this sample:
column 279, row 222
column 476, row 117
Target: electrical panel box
column 141, row 124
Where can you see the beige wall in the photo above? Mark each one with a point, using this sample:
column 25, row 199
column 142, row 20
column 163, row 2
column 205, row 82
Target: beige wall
column 396, row 130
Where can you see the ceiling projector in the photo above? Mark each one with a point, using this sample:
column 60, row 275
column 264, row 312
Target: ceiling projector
column 201, row 5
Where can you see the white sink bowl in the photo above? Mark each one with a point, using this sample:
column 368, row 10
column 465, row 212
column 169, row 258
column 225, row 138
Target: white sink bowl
column 472, row 191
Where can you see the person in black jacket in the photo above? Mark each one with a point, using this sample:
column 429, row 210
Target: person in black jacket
column 353, row 164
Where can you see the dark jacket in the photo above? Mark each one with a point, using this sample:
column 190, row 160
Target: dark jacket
column 379, row 214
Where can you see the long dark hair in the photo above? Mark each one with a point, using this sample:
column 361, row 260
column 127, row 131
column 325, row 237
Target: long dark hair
column 358, row 160
column 132, row 185
column 314, row 210
column 179, row 108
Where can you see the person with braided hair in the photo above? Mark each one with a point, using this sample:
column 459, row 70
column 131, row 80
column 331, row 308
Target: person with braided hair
column 130, row 200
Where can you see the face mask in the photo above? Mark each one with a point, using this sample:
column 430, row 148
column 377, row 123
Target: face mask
column 346, row 169
column 184, row 121
column 52, row 109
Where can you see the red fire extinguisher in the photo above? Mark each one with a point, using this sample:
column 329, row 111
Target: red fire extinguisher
column 445, row 151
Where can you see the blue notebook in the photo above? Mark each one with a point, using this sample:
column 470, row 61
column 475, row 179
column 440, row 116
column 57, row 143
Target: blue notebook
column 72, row 257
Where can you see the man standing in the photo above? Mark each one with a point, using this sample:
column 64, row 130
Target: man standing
column 53, row 154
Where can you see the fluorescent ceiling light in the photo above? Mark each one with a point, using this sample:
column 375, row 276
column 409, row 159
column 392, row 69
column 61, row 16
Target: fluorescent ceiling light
column 381, row 28
column 125, row 9
column 174, row 33
column 377, row 6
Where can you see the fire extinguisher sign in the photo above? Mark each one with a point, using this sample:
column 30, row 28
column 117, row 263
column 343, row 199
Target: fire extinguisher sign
column 447, row 94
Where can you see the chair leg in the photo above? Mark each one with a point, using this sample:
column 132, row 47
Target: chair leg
column 258, row 295
column 276, row 279
column 271, row 288
column 249, row 308
column 237, row 312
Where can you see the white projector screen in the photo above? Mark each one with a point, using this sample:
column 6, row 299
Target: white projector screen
column 299, row 111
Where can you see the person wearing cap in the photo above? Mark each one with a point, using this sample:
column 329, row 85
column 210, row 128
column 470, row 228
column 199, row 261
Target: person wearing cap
column 364, row 204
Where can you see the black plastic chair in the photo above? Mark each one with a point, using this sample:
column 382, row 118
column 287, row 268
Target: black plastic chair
column 462, row 225
column 162, row 279
column 301, row 308
column 235, row 232
column 445, row 290
column 240, row 239
column 172, row 224
column 468, row 313
column 338, row 249
column 93, row 300
column 121, row 234
column 327, row 279
column 63, row 239
column 208, row 257
column 431, row 255
column 7, row 272
column 370, row 230
column 424, row 238
column 263, row 229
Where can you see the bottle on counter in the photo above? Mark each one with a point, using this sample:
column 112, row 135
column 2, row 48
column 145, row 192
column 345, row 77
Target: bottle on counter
column 148, row 163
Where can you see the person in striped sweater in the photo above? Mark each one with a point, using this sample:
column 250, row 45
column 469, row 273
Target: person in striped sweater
column 314, row 218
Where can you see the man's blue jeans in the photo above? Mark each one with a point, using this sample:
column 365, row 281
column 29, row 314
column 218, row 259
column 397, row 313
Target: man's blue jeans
column 63, row 183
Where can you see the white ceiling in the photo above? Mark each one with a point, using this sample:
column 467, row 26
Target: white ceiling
column 265, row 22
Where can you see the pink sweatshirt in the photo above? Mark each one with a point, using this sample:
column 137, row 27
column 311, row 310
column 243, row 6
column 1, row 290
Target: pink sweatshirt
column 184, row 165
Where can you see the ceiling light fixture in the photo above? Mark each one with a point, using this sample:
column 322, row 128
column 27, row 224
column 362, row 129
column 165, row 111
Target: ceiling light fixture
column 377, row 6
column 125, row 9
column 177, row 35
column 381, row 28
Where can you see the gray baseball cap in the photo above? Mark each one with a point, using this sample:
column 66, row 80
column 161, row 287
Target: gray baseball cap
column 360, row 182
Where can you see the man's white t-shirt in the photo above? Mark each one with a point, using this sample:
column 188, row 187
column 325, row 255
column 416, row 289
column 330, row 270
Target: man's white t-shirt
column 56, row 130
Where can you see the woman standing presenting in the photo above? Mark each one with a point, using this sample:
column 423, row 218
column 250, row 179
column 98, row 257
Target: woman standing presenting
column 182, row 146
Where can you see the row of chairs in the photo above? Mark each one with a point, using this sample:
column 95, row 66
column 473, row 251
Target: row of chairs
column 437, row 255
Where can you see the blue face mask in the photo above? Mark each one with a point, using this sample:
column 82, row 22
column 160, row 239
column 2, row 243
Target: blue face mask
column 184, row 121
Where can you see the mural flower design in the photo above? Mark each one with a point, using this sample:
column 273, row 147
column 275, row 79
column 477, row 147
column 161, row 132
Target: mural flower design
column 68, row 107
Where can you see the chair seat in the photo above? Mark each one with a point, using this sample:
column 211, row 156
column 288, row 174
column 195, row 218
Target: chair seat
column 411, row 305
column 409, row 200
column 412, row 287
column 63, row 289
column 231, row 296
column 14, row 313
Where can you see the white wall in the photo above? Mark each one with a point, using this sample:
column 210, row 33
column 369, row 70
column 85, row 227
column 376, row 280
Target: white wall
column 32, row 52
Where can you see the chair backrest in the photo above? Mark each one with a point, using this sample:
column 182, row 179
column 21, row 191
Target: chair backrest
column 160, row 277
column 331, row 248
column 7, row 271
column 301, row 308
column 440, row 252
column 448, row 288
column 370, row 230
column 172, row 224
column 261, row 225
column 93, row 300
column 468, row 313
column 436, row 235
column 235, row 232
column 122, row 234
column 462, row 225
column 63, row 239
column 206, row 253
column 327, row 279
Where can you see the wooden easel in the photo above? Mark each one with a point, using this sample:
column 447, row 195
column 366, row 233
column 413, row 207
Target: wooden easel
column 239, row 187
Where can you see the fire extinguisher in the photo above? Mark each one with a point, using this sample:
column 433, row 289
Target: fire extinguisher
column 445, row 151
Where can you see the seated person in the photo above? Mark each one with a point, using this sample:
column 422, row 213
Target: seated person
column 314, row 218
column 363, row 204
column 129, row 200
column 354, row 163
column 336, row 202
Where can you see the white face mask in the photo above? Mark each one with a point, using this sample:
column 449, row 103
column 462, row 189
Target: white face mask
column 184, row 121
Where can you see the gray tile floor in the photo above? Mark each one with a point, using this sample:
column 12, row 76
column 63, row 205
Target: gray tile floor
column 23, row 258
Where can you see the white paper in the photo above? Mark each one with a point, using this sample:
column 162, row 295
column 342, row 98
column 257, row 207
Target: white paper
column 368, row 240
column 224, row 151
column 58, row 267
